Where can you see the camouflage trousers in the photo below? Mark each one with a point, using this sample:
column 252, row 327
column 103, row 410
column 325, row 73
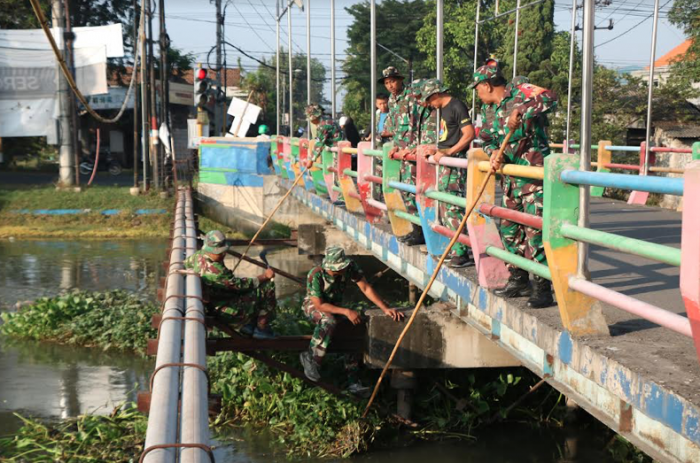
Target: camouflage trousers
column 522, row 195
column 407, row 174
column 255, row 306
column 377, row 192
column 454, row 181
column 326, row 324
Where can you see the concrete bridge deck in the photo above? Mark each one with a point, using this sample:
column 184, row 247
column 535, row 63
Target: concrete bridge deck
column 641, row 381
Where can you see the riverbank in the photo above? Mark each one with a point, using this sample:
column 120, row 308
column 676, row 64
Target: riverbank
column 99, row 212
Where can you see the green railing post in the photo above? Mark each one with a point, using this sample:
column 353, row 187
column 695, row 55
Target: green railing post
column 580, row 314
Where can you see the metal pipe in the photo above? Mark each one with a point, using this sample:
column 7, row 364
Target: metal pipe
column 515, row 42
column 523, row 218
column 373, row 65
column 662, row 185
column 194, row 415
column 586, row 122
column 654, row 314
column 333, row 108
column 291, row 74
column 439, row 38
column 144, row 104
column 476, row 53
column 572, row 47
column 519, row 261
column 650, row 84
column 657, row 252
column 163, row 412
column 277, row 66
column 308, row 63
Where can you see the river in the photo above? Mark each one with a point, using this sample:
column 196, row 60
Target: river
column 54, row 382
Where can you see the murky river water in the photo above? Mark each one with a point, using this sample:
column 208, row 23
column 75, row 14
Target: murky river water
column 54, row 382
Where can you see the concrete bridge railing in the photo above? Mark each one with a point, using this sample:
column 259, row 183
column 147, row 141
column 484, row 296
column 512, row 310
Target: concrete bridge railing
column 333, row 177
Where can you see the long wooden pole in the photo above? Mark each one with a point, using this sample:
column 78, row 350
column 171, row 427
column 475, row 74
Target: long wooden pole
column 419, row 304
column 301, row 175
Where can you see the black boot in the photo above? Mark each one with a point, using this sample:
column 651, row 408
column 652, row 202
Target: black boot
column 518, row 284
column 414, row 238
column 542, row 295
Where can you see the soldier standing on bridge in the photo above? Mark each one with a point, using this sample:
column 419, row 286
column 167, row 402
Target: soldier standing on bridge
column 520, row 109
column 247, row 304
column 327, row 131
column 325, row 287
column 455, row 135
column 399, row 125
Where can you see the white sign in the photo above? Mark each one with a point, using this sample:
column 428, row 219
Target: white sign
column 109, row 36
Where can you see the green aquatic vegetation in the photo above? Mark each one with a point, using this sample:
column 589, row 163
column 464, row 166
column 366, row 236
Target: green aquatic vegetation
column 112, row 319
column 117, row 438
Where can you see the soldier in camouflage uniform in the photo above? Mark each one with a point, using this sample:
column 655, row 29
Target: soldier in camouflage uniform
column 328, row 131
column 325, row 287
column 247, row 304
column 522, row 110
column 400, row 125
column 455, row 135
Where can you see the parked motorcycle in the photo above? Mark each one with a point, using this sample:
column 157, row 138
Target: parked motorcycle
column 106, row 162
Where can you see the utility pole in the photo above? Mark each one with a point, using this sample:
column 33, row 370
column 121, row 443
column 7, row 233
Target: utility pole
column 155, row 159
column 144, row 105
column 164, row 79
column 136, row 100
column 70, row 57
column 66, row 150
column 219, row 40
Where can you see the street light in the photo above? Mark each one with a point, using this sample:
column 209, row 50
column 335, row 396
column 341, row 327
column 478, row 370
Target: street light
column 407, row 61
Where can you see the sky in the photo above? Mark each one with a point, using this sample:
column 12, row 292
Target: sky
column 250, row 25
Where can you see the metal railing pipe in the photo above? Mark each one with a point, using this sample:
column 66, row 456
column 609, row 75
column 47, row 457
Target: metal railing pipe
column 350, row 173
column 634, row 306
column 658, row 252
column 448, row 161
column 403, row 186
column 663, row 185
column 519, row 261
column 515, row 170
column 528, row 220
column 446, row 198
column 408, row 216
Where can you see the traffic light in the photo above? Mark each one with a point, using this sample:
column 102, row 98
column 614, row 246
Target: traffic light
column 202, row 88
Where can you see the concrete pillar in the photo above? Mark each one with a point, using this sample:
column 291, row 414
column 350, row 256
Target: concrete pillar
column 404, row 381
column 66, row 155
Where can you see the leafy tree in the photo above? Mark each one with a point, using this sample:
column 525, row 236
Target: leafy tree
column 686, row 15
column 398, row 22
column 263, row 81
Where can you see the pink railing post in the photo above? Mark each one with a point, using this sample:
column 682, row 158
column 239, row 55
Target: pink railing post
column 640, row 197
column 364, row 168
column 690, row 250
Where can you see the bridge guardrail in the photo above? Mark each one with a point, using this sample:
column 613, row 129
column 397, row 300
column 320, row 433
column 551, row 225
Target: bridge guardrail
column 561, row 235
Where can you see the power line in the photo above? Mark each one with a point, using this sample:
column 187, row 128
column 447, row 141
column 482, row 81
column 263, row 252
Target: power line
column 631, row 28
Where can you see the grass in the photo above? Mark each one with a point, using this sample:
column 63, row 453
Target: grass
column 126, row 224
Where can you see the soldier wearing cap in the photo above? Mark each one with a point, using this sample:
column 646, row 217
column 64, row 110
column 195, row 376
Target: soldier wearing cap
column 399, row 125
column 455, row 134
column 520, row 109
column 247, row 304
column 328, row 131
column 325, row 287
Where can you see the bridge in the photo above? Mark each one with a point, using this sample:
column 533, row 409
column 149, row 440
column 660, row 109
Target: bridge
column 622, row 342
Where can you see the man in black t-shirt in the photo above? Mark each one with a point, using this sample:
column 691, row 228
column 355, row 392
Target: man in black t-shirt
column 455, row 134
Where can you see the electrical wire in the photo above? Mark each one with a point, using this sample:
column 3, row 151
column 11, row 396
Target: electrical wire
column 632, row 28
column 69, row 76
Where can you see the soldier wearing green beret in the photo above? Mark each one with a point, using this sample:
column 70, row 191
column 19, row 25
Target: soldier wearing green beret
column 325, row 287
column 247, row 304
column 520, row 109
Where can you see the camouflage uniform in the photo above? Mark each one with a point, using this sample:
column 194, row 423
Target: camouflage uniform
column 329, row 289
column 328, row 131
column 528, row 147
column 238, row 301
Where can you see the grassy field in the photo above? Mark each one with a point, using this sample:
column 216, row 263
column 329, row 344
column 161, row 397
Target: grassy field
column 93, row 224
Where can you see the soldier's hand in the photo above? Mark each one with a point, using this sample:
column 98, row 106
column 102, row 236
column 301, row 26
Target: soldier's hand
column 439, row 155
column 308, row 163
column 401, row 154
column 429, row 150
column 394, row 314
column 496, row 161
column 353, row 316
column 514, row 120
column 267, row 275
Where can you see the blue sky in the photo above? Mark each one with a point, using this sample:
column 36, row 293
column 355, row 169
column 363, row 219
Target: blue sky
column 250, row 25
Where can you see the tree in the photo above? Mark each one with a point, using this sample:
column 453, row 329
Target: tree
column 263, row 81
column 398, row 22
column 686, row 15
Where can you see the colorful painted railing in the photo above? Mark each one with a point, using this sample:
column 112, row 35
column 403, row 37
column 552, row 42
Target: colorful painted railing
column 604, row 163
column 576, row 296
